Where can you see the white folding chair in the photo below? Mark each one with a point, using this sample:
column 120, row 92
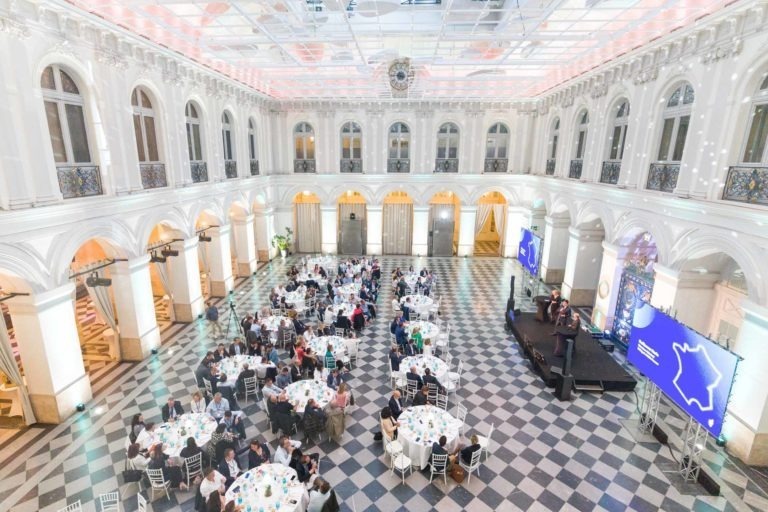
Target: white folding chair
column 400, row 463
column 424, row 316
column 142, row 503
column 411, row 388
column 208, row 388
column 74, row 507
column 251, row 387
column 352, row 345
column 338, row 331
column 485, row 442
column 276, row 312
column 443, row 338
column 474, row 464
column 330, row 362
column 396, row 379
column 456, row 376
column 439, row 466
column 158, row 483
column 442, row 401
column 110, row 502
column 131, row 465
column 461, row 415
column 193, row 466
column 433, row 392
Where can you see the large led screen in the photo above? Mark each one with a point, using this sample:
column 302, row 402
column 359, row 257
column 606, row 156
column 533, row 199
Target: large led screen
column 529, row 251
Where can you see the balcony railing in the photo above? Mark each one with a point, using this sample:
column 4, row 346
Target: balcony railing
column 398, row 165
column 199, row 171
column 351, row 165
column 153, row 175
column 663, row 177
column 446, row 165
column 495, row 165
column 610, row 172
column 550, row 170
column 79, row 180
column 254, row 167
column 747, row 185
column 230, row 169
column 574, row 171
column 304, row 166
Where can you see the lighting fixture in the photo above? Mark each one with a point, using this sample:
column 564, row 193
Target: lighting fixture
column 95, row 281
column 204, row 238
column 167, row 251
column 154, row 258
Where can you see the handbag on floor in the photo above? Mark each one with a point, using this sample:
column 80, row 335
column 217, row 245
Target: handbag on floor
column 457, row 473
column 132, row 475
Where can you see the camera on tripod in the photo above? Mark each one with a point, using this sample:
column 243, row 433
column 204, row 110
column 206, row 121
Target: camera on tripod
column 232, row 305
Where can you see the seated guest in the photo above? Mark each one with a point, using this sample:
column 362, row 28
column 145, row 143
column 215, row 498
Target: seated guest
column 246, row 373
column 269, row 390
column 238, row 348
column 212, row 486
column 431, row 379
column 283, row 406
column 136, row 459
column 438, row 448
column 298, row 325
column 218, row 407
column 409, row 349
column 221, row 353
column 305, row 467
column 466, row 453
column 220, row 441
column 333, row 380
column 342, row 322
column 191, row 449
column 296, row 372
column 254, row 345
column 319, row 495
column 234, row 424
column 421, row 397
column 172, row 474
column 388, row 424
column 171, row 409
column 284, row 379
column 395, row 406
column 313, row 409
column 227, row 391
column 412, row 375
column 274, row 358
column 229, row 468
column 567, row 332
column 258, row 454
column 146, row 437
column 395, row 357
column 197, row 405
column 284, row 450
column 137, row 425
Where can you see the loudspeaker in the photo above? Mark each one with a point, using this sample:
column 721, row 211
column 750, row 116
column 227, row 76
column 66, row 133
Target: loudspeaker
column 512, row 288
column 563, row 386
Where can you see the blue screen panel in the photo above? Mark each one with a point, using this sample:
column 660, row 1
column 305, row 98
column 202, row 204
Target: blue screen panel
column 529, row 251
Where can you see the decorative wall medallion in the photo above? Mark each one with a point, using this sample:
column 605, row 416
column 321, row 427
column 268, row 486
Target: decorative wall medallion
column 603, row 289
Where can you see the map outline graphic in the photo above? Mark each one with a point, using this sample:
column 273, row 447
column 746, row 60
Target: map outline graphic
column 677, row 348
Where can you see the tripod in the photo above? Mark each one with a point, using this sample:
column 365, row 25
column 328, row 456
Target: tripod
column 232, row 314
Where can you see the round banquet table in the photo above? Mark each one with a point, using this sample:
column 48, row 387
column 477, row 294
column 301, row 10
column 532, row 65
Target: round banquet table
column 300, row 392
column 287, row 493
column 422, row 425
column 309, row 276
column 319, row 346
column 437, row 366
column 349, row 289
column 295, row 297
column 273, row 322
column 429, row 330
column 420, row 303
column 327, row 262
column 232, row 366
column 348, row 307
column 411, row 280
column 174, row 434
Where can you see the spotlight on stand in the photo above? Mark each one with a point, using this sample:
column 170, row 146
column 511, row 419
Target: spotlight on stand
column 94, row 280
column 202, row 237
column 167, row 251
column 154, row 258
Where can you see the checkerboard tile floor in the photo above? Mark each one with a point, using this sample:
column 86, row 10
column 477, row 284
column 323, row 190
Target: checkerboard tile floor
column 546, row 455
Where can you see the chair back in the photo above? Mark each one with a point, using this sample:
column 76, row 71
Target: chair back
column 251, row 386
column 330, row 362
column 433, row 391
column 439, row 463
column 411, row 387
column 276, row 312
column 351, row 345
column 442, row 402
column 208, row 387
column 142, row 503
column 474, row 462
column 156, row 478
column 110, row 501
column 339, row 331
column 490, row 433
column 74, row 507
column 194, row 465
column 461, row 413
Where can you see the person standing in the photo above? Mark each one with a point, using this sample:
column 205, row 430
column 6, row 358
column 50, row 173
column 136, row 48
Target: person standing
column 212, row 316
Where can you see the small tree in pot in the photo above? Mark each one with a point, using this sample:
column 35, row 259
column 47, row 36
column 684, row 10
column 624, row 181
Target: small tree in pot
column 282, row 242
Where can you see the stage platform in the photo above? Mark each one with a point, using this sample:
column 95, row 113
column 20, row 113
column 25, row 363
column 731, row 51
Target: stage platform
column 592, row 365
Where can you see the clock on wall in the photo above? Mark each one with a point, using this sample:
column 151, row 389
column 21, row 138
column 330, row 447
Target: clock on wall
column 400, row 75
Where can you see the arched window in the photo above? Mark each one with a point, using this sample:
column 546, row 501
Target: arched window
column 198, row 167
column 618, row 135
column 552, row 153
column 151, row 169
column 252, row 153
column 64, row 110
column 228, row 142
column 757, row 135
column 447, row 148
column 496, row 148
column 676, row 121
column 351, row 147
column 399, row 148
column 304, row 144
column 577, row 161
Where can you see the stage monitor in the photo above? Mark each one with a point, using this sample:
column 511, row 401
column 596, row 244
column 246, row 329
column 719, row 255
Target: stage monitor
column 529, row 251
column 692, row 370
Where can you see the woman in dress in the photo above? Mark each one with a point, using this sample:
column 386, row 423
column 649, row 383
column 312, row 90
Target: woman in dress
column 136, row 459
column 418, row 340
column 197, row 406
column 172, row 474
column 388, row 424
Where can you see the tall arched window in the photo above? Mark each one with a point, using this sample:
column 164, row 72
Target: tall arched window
column 351, row 148
column 552, row 150
column 151, row 168
column 447, row 148
column 228, row 143
column 618, row 135
column 746, row 182
column 676, row 120
column 304, row 144
column 64, row 109
column 496, row 148
column 252, row 149
column 197, row 165
column 399, row 148
column 574, row 171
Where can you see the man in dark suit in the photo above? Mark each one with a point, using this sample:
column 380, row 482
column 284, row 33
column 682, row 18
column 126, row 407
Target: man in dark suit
column 421, row 397
column 431, row 379
column 228, row 467
column 563, row 314
column 412, row 375
column 401, row 336
column 405, row 307
column 172, row 409
column 204, row 372
column 409, row 349
column 234, row 424
column 238, row 348
column 295, row 371
column 247, row 373
column 394, row 404
column 395, row 357
column 333, row 380
column 566, row 332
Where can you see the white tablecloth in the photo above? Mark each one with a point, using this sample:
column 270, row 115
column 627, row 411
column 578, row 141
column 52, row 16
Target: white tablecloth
column 423, row 425
column 411, row 280
column 436, row 366
column 287, row 493
column 273, row 322
column 349, row 289
column 348, row 307
column 429, row 330
column 232, row 366
column 327, row 262
column 420, row 303
column 309, row 276
column 300, row 392
column 296, row 298
column 320, row 346
column 174, row 434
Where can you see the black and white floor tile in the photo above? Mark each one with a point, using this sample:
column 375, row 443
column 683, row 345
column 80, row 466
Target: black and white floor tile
column 547, row 455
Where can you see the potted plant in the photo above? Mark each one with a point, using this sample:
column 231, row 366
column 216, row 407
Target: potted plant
column 283, row 241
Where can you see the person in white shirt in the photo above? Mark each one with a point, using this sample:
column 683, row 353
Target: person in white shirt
column 197, row 406
column 146, row 437
column 136, row 459
column 213, row 482
column 329, row 317
column 269, row 390
column 284, row 450
column 321, row 491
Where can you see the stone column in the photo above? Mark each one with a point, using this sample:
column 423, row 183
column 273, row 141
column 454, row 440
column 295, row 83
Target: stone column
column 555, row 249
column 46, row 328
column 329, row 229
column 374, row 220
column 420, row 230
column 582, row 266
column 611, row 268
column 184, row 271
column 135, row 308
column 517, row 218
column 220, row 259
column 245, row 245
column 746, row 424
column 690, row 296
column 264, row 230
column 467, row 230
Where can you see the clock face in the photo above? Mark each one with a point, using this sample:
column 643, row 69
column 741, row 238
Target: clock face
column 400, row 75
